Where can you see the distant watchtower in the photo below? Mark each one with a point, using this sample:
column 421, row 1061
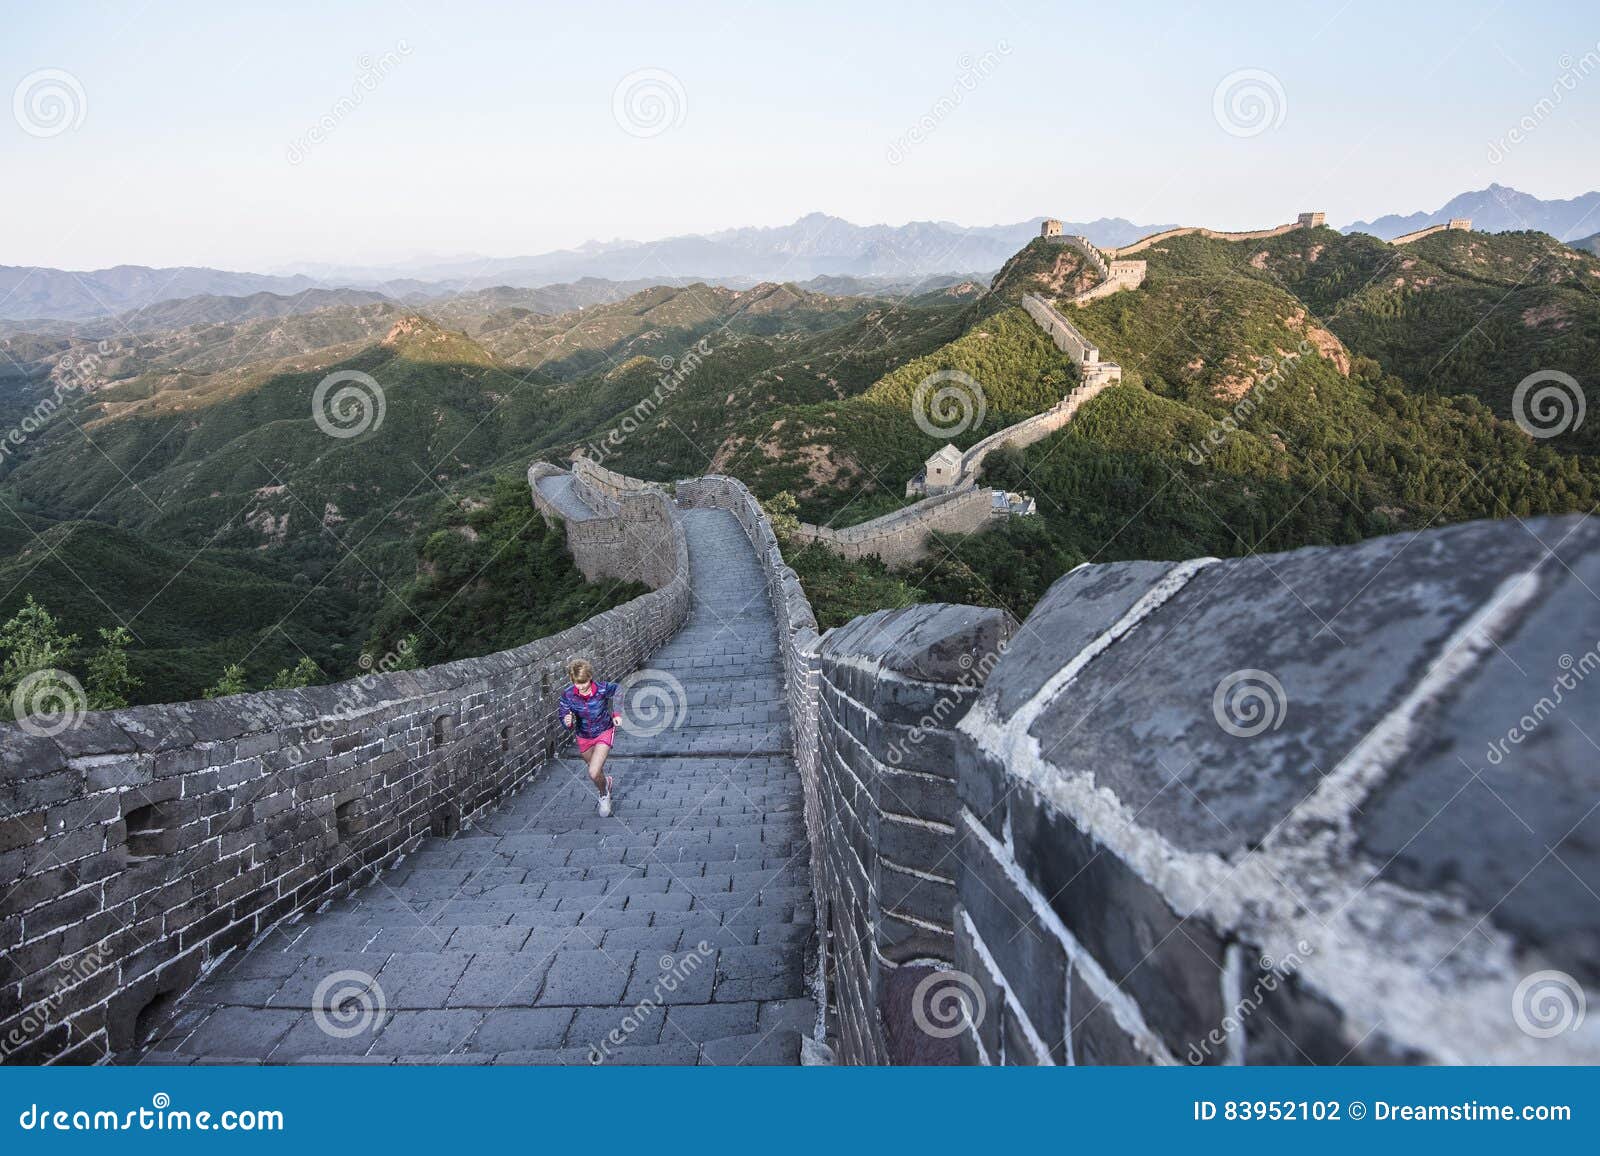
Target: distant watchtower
column 1311, row 220
column 940, row 474
column 1460, row 223
column 1050, row 228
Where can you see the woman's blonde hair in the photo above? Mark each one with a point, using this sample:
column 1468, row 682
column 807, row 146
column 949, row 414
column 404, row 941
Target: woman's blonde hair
column 579, row 670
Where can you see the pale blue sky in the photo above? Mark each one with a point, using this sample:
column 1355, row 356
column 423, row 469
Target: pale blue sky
column 493, row 131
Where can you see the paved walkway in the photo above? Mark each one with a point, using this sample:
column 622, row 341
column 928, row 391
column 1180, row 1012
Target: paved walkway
column 558, row 488
column 673, row 932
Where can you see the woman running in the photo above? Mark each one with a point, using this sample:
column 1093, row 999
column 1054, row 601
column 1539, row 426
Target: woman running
column 586, row 707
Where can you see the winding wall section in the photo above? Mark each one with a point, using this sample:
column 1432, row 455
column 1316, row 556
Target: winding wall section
column 1304, row 221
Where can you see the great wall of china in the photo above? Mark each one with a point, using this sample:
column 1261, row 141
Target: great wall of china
column 1303, row 221
column 952, row 503
column 1454, row 224
column 978, row 795
column 986, row 803
column 957, row 505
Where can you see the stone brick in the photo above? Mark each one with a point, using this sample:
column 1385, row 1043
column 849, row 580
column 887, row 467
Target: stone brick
column 1171, row 966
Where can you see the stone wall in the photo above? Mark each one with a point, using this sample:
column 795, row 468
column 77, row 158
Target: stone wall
column 1031, row 429
column 1455, row 223
column 1214, row 811
column 628, row 539
column 1121, row 275
column 1334, row 808
column 903, row 535
column 1115, row 276
column 596, row 479
column 1067, row 337
column 1091, row 253
column 138, row 846
column 893, row 686
column 1303, row 221
column 1064, row 333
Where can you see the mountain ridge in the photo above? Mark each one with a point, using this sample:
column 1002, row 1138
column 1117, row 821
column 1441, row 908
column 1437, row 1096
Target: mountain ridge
column 1496, row 209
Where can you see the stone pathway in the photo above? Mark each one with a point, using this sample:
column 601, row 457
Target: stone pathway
column 558, row 488
column 674, row 932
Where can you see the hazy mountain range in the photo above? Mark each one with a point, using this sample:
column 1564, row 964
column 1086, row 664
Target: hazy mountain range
column 1498, row 209
column 35, row 291
column 817, row 247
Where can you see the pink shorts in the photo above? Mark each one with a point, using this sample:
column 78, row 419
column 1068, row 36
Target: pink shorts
column 607, row 736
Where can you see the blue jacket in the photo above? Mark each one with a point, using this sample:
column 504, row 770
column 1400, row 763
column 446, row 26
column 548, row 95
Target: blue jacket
column 593, row 714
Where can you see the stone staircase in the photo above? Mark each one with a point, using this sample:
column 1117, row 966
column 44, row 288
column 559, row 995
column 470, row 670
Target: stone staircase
column 677, row 931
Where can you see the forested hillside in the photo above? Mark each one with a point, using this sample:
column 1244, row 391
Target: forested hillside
column 1262, row 408
column 169, row 464
column 1311, row 388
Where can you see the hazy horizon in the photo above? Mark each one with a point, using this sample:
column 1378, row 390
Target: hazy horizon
column 375, row 135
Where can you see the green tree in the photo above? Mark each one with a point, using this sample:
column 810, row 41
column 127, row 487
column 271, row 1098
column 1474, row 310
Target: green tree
column 110, row 681
column 410, row 653
column 305, row 673
column 231, row 682
column 33, row 642
column 780, row 510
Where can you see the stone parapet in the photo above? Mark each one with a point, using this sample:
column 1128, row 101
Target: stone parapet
column 1330, row 806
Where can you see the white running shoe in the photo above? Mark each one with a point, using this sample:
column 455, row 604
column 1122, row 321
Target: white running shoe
column 605, row 800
